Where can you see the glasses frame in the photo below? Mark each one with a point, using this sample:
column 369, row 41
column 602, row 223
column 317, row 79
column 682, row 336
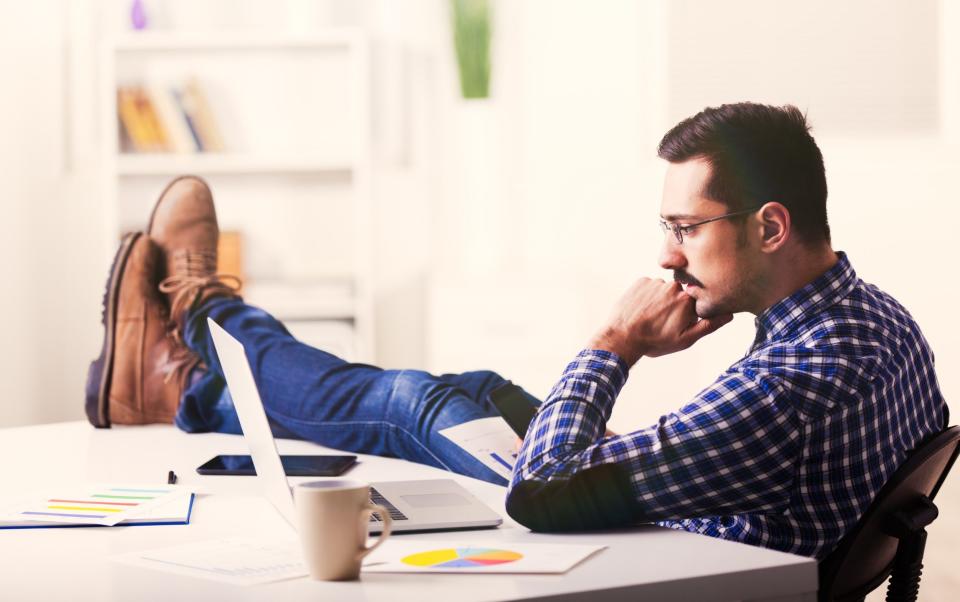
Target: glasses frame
column 679, row 231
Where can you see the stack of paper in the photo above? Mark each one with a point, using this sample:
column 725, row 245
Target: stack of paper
column 249, row 561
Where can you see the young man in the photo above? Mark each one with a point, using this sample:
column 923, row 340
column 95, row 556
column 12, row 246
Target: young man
column 785, row 449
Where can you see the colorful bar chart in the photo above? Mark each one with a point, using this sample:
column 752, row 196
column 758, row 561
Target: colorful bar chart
column 498, row 458
column 96, row 505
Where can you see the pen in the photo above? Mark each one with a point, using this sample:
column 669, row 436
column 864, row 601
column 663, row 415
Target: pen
column 171, row 478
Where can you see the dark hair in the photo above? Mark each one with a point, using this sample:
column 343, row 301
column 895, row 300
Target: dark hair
column 757, row 153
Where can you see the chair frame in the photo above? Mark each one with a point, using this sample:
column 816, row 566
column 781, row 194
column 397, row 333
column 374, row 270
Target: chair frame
column 906, row 524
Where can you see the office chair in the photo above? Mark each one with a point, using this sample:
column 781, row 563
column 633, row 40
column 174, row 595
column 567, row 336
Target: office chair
column 890, row 537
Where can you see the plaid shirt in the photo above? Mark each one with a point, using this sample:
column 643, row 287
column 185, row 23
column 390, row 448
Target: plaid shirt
column 786, row 449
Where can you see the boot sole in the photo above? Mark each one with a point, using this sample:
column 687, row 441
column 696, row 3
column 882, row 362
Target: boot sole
column 101, row 369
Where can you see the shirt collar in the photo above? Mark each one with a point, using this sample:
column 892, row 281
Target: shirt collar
column 780, row 318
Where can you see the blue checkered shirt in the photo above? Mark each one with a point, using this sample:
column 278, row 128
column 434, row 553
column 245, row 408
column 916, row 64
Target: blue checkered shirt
column 786, row 449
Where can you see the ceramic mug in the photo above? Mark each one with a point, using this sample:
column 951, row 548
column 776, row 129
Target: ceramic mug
column 333, row 517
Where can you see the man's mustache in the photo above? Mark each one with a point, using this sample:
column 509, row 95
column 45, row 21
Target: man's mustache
column 685, row 278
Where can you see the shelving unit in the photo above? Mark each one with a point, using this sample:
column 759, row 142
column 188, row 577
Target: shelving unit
column 294, row 114
column 130, row 164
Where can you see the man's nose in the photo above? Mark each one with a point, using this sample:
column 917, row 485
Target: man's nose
column 671, row 254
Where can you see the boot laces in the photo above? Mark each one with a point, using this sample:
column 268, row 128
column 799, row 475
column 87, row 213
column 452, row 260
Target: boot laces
column 194, row 273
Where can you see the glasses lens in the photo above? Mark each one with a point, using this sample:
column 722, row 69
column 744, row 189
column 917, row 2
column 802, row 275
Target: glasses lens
column 672, row 228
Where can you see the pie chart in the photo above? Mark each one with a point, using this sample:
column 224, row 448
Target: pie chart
column 461, row 558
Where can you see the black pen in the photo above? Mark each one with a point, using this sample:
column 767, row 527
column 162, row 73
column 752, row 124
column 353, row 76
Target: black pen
column 171, row 478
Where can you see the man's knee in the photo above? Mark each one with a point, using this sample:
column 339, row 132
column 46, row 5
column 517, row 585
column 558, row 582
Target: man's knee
column 408, row 390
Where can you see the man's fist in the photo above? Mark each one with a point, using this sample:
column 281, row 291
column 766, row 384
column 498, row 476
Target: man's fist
column 654, row 318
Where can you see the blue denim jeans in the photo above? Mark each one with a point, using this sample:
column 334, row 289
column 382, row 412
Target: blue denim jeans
column 313, row 395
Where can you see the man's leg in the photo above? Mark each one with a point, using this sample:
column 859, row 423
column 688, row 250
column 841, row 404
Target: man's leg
column 310, row 394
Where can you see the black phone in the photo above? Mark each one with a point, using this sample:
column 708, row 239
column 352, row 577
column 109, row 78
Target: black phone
column 293, row 466
column 515, row 405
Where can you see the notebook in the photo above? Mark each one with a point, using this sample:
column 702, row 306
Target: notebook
column 175, row 511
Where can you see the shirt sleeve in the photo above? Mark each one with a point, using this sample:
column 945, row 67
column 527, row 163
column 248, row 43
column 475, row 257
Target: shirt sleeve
column 731, row 450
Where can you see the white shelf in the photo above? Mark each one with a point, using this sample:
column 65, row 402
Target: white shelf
column 239, row 40
column 133, row 164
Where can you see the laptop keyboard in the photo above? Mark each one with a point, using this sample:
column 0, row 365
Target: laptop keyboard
column 378, row 499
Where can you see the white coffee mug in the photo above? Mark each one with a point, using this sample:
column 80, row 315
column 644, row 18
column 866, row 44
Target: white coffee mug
column 332, row 519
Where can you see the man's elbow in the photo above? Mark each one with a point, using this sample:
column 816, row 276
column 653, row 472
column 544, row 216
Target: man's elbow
column 598, row 498
column 526, row 505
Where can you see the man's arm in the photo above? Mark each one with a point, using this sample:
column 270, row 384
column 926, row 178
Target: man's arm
column 732, row 449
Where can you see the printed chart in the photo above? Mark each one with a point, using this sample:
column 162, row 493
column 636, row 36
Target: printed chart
column 462, row 557
column 418, row 556
column 489, row 440
column 93, row 505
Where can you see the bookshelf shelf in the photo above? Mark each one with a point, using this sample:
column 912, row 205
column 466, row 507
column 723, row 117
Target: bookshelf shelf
column 293, row 180
column 163, row 41
column 132, row 164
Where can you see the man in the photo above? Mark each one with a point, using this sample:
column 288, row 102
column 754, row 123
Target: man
column 785, row 449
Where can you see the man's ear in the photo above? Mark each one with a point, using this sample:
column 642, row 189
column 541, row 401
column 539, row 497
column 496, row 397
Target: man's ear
column 776, row 227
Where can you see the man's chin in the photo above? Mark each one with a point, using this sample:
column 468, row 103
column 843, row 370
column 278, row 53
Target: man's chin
column 705, row 309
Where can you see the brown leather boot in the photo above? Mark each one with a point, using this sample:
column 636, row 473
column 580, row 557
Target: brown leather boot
column 184, row 225
column 135, row 380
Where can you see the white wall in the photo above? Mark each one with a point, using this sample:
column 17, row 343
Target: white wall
column 582, row 94
column 601, row 83
column 52, row 265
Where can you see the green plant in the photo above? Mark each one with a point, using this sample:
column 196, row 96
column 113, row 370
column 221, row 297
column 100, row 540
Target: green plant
column 471, row 38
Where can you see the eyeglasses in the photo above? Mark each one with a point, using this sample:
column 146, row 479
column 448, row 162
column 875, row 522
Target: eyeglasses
column 679, row 230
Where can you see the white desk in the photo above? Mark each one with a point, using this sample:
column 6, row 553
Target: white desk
column 647, row 563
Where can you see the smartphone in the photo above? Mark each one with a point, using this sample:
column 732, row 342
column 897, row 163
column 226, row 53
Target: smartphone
column 293, row 466
column 515, row 405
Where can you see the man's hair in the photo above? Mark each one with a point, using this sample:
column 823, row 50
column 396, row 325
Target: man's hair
column 757, row 153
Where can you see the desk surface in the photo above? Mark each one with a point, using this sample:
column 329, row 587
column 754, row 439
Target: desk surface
column 50, row 564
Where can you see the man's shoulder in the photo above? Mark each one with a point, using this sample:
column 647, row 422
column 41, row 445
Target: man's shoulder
column 835, row 355
column 866, row 321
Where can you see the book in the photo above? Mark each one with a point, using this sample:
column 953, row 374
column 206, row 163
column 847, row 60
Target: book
column 157, row 118
column 198, row 111
column 230, row 254
column 172, row 119
column 130, row 119
column 191, row 126
column 156, row 135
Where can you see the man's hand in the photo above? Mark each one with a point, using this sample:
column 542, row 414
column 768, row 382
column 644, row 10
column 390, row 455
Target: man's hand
column 654, row 318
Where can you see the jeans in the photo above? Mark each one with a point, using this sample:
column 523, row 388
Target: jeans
column 313, row 395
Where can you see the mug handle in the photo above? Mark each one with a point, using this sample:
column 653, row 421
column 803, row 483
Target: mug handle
column 387, row 522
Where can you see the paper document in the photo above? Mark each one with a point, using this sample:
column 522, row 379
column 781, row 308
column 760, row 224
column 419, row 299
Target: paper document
column 235, row 560
column 103, row 504
column 418, row 556
column 490, row 440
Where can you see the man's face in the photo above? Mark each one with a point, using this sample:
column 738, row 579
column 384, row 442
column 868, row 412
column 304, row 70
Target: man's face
column 717, row 262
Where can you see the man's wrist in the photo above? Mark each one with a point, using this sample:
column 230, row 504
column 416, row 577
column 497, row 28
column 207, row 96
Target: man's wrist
column 615, row 344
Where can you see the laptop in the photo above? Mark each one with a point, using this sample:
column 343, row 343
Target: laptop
column 421, row 505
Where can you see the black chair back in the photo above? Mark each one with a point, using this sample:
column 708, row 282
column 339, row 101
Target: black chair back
column 866, row 556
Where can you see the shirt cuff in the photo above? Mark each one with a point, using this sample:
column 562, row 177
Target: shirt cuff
column 604, row 368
